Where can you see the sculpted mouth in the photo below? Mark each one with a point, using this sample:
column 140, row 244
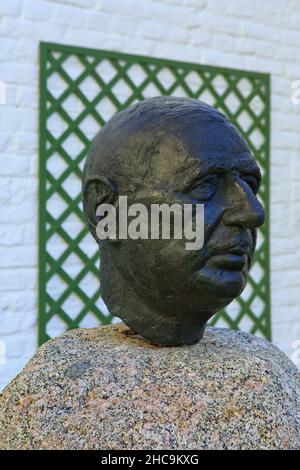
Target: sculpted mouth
column 230, row 261
column 232, row 258
column 236, row 251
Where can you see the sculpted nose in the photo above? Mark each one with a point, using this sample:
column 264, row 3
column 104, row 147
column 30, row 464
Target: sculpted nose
column 242, row 209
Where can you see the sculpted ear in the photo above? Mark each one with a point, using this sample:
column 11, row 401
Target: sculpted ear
column 96, row 190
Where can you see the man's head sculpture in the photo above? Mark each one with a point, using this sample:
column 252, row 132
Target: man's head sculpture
column 174, row 150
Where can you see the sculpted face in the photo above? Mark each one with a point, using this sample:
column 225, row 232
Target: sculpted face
column 179, row 151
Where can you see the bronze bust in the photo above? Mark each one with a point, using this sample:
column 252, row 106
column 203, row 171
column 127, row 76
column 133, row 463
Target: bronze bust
column 174, row 150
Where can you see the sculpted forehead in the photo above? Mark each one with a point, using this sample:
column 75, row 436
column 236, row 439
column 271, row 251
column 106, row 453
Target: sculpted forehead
column 208, row 147
column 213, row 137
column 158, row 142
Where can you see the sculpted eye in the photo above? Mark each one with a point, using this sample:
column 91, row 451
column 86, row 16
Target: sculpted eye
column 252, row 182
column 205, row 188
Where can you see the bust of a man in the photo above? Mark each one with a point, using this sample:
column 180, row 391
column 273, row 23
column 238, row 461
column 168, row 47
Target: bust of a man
column 174, row 151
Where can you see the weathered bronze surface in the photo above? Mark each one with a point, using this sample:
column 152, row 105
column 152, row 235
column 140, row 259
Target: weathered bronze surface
column 174, row 150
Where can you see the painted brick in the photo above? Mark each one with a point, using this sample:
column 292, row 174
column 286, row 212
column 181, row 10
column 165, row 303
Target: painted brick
column 257, row 37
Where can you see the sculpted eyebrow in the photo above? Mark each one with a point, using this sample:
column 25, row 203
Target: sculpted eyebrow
column 245, row 168
column 200, row 173
column 206, row 170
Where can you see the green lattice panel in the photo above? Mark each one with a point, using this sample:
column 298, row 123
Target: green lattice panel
column 80, row 89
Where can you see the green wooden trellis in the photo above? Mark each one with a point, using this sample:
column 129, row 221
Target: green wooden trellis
column 79, row 90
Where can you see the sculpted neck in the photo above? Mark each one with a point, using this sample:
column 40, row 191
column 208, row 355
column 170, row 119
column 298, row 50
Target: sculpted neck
column 158, row 327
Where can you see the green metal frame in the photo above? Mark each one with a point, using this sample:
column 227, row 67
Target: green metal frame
column 53, row 60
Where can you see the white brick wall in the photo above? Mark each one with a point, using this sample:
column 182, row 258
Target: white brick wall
column 260, row 36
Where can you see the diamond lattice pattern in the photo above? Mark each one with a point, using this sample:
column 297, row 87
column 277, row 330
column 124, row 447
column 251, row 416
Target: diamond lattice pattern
column 82, row 89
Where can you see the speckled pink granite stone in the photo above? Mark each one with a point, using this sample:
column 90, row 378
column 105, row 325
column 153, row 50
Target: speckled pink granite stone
column 105, row 389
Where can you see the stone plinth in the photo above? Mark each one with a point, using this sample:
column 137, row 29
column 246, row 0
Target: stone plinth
column 103, row 388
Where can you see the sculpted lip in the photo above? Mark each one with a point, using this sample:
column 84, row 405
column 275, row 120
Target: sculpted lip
column 236, row 251
column 230, row 261
column 234, row 258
